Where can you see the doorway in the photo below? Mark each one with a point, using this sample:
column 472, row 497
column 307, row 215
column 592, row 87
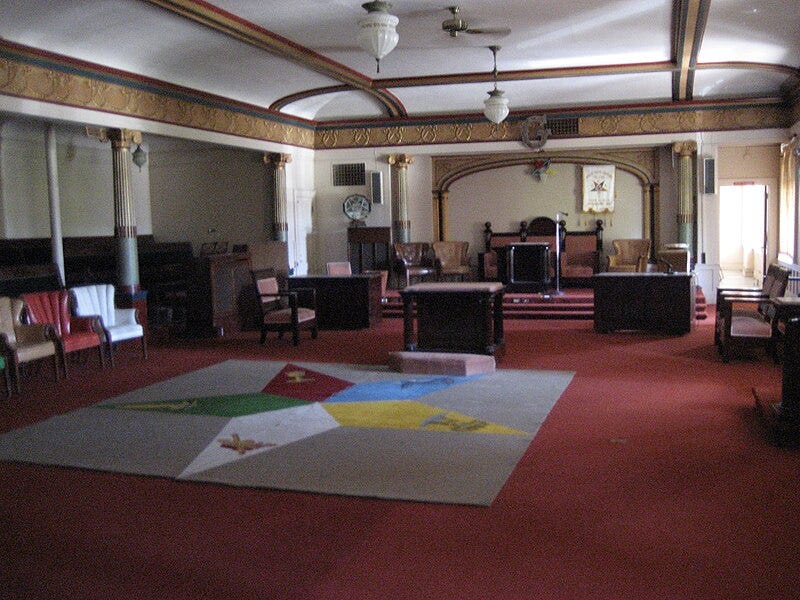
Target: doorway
column 742, row 233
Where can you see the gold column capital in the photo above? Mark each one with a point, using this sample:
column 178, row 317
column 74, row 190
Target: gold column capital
column 684, row 148
column 277, row 159
column 401, row 161
column 120, row 138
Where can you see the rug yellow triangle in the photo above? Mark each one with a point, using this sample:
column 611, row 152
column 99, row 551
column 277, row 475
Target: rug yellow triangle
column 411, row 415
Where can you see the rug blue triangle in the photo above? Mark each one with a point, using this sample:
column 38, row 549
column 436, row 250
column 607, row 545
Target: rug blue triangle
column 403, row 389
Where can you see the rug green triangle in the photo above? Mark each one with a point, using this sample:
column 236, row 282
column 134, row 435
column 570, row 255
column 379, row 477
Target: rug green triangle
column 236, row 405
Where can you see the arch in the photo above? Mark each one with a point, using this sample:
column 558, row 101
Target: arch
column 641, row 163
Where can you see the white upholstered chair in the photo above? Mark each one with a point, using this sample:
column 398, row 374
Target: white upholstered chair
column 119, row 324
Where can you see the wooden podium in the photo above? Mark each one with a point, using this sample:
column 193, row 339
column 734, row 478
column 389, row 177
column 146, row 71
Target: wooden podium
column 454, row 317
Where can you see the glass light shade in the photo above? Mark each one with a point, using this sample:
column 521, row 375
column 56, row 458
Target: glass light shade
column 377, row 34
column 139, row 157
column 496, row 106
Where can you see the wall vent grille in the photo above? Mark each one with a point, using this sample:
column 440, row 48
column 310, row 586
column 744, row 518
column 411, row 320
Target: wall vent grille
column 563, row 126
column 349, row 174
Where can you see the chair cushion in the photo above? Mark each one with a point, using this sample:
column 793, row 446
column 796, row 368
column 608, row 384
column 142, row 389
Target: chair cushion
column 80, row 341
column 119, row 333
column 284, row 315
column 750, row 327
column 35, row 351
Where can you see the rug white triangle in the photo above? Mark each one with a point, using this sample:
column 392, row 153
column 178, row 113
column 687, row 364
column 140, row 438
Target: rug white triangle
column 252, row 434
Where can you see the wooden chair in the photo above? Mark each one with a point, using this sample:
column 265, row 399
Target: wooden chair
column 23, row 343
column 338, row 268
column 73, row 333
column 451, row 259
column 631, row 256
column 281, row 310
column 414, row 259
column 119, row 324
column 774, row 285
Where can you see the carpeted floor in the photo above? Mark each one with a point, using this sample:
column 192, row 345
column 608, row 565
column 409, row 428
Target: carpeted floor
column 650, row 479
column 315, row 427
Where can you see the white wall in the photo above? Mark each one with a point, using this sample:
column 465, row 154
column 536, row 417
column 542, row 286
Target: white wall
column 202, row 193
column 509, row 195
column 85, row 183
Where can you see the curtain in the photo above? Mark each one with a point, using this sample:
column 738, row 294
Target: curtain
column 787, row 209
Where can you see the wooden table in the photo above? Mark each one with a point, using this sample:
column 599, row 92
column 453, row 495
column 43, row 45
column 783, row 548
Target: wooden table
column 344, row 301
column 661, row 302
column 454, row 317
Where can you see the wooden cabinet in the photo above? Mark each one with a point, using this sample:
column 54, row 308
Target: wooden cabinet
column 344, row 301
column 661, row 302
column 223, row 297
column 369, row 248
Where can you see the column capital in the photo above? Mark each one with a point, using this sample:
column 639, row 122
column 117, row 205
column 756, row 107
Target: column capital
column 120, row 138
column 684, row 148
column 401, row 161
column 277, row 159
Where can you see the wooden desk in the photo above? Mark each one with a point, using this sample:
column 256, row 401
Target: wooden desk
column 662, row 302
column 454, row 317
column 344, row 301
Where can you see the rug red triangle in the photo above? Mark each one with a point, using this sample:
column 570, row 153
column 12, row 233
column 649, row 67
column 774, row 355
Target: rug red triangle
column 305, row 384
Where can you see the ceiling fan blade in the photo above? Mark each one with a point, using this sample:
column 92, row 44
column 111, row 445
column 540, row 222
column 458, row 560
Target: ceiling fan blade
column 498, row 31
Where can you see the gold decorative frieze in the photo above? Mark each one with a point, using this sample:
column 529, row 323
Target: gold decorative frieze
column 49, row 78
column 35, row 82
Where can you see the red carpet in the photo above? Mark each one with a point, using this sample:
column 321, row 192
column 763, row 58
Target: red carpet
column 649, row 479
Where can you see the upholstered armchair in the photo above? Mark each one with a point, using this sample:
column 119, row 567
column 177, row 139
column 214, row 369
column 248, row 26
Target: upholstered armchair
column 118, row 324
column 415, row 260
column 631, row 256
column 281, row 310
column 451, row 259
column 22, row 343
column 73, row 333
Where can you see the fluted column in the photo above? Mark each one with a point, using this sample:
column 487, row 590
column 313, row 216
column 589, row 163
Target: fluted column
column 685, row 152
column 401, row 224
column 124, row 212
column 280, row 225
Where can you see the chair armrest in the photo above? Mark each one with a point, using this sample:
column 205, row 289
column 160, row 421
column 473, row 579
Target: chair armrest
column 88, row 323
column 126, row 316
column 37, row 332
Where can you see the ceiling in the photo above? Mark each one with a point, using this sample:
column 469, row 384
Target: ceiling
column 300, row 58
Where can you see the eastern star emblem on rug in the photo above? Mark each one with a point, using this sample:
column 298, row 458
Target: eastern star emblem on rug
column 316, row 427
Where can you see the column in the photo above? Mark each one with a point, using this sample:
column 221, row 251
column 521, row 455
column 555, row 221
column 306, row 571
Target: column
column 124, row 214
column 401, row 224
column 685, row 152
column 439, row 211
column 280, row 225
column 56, row 239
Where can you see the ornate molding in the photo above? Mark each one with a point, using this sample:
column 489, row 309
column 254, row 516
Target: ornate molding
column 641, row 162
column 684, row 149
column 79, row 86
column 37, row 75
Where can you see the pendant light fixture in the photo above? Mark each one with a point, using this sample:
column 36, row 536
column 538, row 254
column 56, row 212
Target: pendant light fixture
column 377, row 33
column 139, row 157
column 496, row 105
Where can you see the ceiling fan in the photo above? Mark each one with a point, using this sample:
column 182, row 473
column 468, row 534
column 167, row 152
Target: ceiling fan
column 455, row 25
